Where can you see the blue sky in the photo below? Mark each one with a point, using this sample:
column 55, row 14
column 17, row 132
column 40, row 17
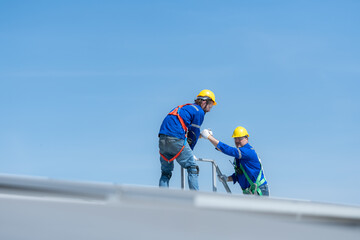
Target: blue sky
column 85, row 85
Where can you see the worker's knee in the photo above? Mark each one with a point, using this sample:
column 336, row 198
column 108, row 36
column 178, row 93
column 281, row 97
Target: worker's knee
column 167, row 175
column 193, row 169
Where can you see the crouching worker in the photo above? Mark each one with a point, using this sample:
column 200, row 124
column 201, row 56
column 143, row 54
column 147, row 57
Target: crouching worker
column 248, row 169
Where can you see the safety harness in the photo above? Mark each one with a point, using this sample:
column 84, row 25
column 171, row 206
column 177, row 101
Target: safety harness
column 254, row 187
column 175, row 112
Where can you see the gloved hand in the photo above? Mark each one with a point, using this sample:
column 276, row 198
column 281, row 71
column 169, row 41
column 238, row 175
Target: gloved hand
column 206, row 133
column 222, row 178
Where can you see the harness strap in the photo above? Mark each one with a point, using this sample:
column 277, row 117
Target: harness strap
column 175, row 112
column 173, row 158
column 254, row 187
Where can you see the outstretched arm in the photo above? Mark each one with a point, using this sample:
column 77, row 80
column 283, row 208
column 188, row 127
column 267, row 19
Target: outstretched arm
column 207, row 134
column 213, row 140
column 231, row 151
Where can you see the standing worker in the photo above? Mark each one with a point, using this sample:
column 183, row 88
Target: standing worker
column 178, row 135
column 248, row 169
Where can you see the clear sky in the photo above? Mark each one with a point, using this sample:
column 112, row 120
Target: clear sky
column 85, row 85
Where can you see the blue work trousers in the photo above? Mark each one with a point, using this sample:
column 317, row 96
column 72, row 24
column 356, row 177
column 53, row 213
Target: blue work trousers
column 265, row 190
column 169, row 147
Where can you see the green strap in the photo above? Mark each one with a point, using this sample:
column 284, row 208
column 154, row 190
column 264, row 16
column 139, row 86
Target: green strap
column 253, row 186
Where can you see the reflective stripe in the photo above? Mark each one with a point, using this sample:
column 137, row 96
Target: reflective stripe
column 194, row 125
column 239, row 152
column 195, row 107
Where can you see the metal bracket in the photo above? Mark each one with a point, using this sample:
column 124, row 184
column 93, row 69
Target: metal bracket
column 215, row 171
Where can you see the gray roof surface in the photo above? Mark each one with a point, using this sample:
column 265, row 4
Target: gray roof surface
column 41, row 208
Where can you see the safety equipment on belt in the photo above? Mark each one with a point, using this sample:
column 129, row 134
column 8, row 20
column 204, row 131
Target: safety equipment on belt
column 193, row 169
column 240, row 132
column 206, row 133
column 254, row 187
column 189, row 140
column 207, row 93
column 175, row 112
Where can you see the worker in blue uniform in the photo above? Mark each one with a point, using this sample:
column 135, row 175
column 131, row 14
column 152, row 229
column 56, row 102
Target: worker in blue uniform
column 178, row 136
column 248, row 169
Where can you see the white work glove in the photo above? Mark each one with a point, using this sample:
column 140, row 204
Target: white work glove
column 206, row 133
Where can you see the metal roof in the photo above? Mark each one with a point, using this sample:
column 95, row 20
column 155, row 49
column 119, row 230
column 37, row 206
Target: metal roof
column 42, row 208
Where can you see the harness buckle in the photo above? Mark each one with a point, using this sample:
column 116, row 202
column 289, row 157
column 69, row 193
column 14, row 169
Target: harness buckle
column 252, row 190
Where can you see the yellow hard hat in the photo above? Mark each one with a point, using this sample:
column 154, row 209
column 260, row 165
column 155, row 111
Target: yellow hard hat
column 240, row 132
column 207, row 93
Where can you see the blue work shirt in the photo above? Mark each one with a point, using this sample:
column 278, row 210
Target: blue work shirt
column 193, row 116
column 248, row 158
